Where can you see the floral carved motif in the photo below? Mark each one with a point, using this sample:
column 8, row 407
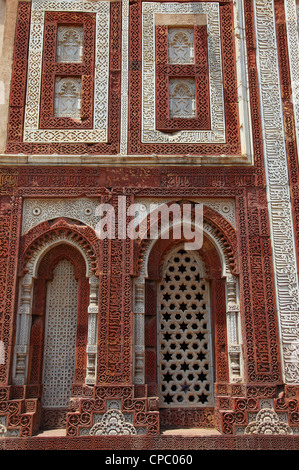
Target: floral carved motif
column 112, row 423
column 267, row 422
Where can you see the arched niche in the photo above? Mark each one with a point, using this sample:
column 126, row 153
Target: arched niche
column 39, row 263
column 226, row 330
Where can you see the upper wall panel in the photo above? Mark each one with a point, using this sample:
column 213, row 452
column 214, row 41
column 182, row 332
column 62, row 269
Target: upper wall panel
column 136, row 81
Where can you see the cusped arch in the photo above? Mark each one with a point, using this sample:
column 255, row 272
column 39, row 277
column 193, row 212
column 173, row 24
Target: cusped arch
column 215, row 228
column 32, row 265
column 58, row 252
column 219, row 253
column 41, row 249
column 40, row 240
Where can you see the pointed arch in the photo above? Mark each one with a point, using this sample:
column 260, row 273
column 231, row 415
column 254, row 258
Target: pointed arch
column 219, row 253
column 41, row 238
column 215, row 227
column 48, row 248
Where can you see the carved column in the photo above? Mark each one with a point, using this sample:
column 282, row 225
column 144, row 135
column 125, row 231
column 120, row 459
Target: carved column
column 233, row 330
column 23, row 332
column 91, row 349
column 139, row 347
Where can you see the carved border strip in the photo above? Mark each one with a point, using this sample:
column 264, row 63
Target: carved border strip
column 278, row 191
column 293, row 49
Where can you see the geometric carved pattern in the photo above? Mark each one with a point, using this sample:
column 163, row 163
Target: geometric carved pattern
column 60, row 336
column 178, row 45
column 69, row 83
column 255, row 255
column 144, row 137
column 185, row 347
column 189, row 98
column 33, row 127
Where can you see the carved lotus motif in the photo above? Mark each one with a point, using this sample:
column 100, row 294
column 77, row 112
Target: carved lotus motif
column 267, row 422
column 112, row 423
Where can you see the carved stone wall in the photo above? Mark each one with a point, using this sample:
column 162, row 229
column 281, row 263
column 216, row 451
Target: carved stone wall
column 247, row 181
column 113, row 260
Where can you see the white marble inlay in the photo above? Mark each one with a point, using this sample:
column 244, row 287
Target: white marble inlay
column 69, row 44
column 182, row 98
column 180, row 46
column 67, row 101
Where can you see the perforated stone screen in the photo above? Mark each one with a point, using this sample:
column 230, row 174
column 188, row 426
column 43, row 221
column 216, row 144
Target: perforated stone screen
column 60, row 336
column 185, row 356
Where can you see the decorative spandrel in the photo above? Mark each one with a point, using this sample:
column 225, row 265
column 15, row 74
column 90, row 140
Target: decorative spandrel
column 182, row 103
column 67, row 101
column 69, row 44
column 180, row 45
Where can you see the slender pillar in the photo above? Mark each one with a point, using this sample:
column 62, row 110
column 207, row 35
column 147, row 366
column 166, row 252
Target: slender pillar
column 24, row 320
column 91, row 349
